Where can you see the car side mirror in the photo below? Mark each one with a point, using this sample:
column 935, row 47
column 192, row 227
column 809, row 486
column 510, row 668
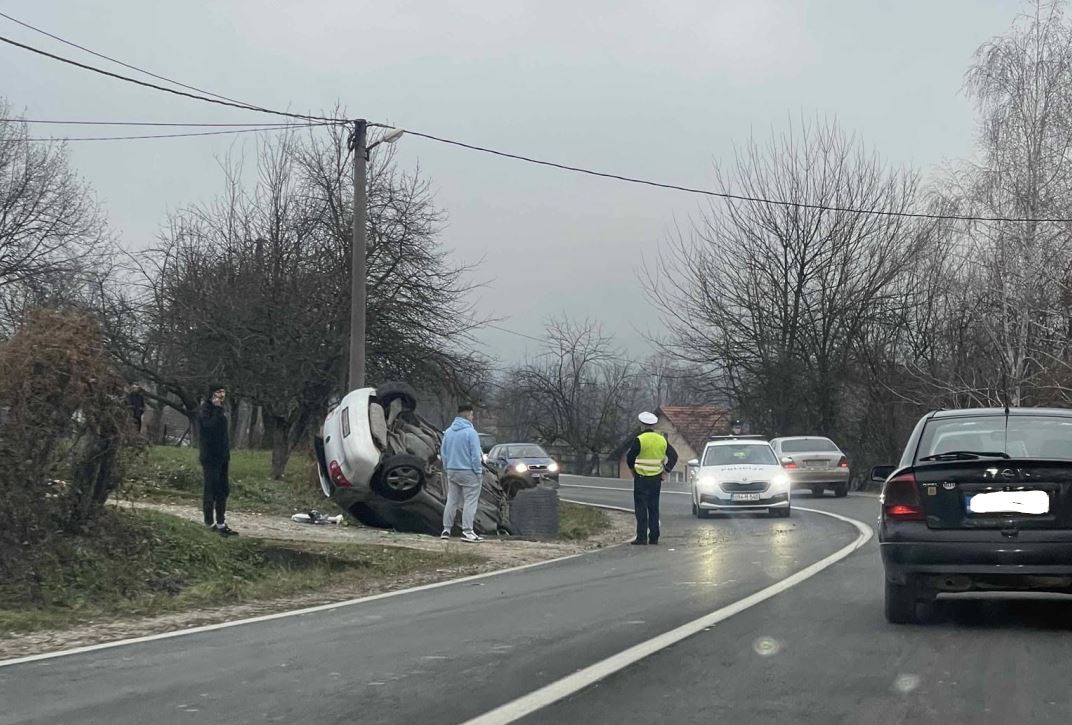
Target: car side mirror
column 694, row 462
column 786, row 460
column 879, row 474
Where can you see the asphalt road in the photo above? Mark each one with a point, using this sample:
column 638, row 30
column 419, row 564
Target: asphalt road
column 823, row 653
column 819, row 652
column 442, row 655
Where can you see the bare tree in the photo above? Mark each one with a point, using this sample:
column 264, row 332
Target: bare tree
column 51, row 229
column 1022, row 86
column 580, row 390
column 772, row 298
column 253, row 289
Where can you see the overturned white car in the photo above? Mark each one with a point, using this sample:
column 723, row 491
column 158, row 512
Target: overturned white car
column 379, row 462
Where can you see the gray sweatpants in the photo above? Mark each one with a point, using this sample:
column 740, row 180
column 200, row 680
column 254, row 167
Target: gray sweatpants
column 463, row 491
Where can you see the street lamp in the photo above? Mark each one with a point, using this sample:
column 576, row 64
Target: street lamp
column 359, row 243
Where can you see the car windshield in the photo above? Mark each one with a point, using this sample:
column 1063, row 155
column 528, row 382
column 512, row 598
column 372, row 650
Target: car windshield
column 527, row 451
column 808, row 445
column 750, row 454
column 1027, row 436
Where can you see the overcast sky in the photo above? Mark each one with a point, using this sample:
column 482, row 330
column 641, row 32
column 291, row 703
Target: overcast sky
column 655, row 90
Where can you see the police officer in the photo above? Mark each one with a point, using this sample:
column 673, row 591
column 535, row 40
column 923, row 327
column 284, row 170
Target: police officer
column 650, row 458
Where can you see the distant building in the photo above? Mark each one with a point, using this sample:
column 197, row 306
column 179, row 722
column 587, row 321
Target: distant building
column 687, row 428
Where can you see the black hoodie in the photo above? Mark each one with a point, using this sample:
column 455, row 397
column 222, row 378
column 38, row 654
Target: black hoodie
column 213, row 441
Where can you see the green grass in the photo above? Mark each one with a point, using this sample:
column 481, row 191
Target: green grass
column 173, row 475
column 145, row 563
column 577, row 522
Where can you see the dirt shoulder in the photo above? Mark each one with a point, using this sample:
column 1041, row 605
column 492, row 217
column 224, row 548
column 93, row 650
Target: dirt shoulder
column 497, row 554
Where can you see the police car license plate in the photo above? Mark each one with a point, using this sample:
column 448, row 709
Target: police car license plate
column 744, row 497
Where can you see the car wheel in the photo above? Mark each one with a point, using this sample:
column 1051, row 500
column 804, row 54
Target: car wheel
column 695, row 510
column 782, row 513
column 901, row 602
column 399, row 478
column 390, row 392
column 817, row 491
column 841, row 491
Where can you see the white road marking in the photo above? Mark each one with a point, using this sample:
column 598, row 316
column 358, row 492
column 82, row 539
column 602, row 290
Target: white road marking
column 290, row 613
column 599, row 505
column 618, row 489
column 555, row 691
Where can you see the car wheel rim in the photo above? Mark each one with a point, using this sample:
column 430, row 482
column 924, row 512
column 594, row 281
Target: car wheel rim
column 403, row 479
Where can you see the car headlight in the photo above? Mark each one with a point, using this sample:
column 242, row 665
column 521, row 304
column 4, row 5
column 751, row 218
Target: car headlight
column 780, row 480
column 706, row 481
column 521, row 468
column 553, row 468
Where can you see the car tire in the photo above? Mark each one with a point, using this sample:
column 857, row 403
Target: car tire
column 695, row 510
column 390, row 392
column 841, row 491
column 400, row 478
column 817, row 491
column 781, row 513
column 902, row 601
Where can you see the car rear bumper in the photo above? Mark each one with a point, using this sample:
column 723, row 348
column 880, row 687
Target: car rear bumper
column 828, row 477
column 977, row 558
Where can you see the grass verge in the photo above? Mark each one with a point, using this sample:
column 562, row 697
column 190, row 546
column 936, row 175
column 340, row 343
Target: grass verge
column 577, row 522
column 173, row 475
column 167, row 474
column 145, row 563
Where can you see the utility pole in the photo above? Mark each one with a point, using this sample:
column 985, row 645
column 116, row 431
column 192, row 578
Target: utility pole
column 358, row 280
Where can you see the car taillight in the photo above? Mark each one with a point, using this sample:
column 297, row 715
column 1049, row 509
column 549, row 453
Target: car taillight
column 900, row 499
column 843, row 463
column 335, row 472
column 789, row 464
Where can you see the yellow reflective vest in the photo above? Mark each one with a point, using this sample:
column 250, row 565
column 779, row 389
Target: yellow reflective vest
column 652, row 456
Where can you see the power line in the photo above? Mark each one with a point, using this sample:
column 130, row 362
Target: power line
column 119, row 62
column 725, row 195
column 224, row 101
column 514, row 332
column 128, row 79
column 137, row 123
column 176, row 135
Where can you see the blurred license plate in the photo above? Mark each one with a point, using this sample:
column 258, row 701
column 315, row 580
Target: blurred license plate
column 815, row 464
column 744, row 497
column 1010, row 502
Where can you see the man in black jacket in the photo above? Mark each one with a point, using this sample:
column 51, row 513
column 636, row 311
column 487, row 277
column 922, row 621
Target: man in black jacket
column 215, row 455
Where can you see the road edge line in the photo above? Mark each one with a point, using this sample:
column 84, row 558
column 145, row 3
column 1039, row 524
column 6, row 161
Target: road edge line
column 293, row 612
column 598, row 506
column 583, row 678
column 620, row 490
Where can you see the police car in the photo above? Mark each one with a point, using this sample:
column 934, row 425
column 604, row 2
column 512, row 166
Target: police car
column 739, row 473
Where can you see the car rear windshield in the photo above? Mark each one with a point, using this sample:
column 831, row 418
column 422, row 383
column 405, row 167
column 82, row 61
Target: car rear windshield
column 1027, row 436
column 749, row 454
column 809, row 445
column 526, row 452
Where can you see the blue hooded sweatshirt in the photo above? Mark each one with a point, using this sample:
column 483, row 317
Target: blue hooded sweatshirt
column 461, row 447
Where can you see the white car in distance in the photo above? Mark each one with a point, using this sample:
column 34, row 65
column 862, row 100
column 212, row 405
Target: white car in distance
column 740, row 475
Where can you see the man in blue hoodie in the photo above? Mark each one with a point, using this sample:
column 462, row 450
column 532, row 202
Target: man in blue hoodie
column 463, row 463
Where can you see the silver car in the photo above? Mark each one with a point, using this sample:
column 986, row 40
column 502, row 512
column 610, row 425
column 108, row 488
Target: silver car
column 814, row 462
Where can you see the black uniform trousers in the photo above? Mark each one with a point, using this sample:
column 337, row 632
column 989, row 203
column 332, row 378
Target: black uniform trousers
column 646, row 490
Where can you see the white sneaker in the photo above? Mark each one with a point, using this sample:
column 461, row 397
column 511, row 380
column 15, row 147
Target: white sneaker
column 445, row 534
column 472, row 537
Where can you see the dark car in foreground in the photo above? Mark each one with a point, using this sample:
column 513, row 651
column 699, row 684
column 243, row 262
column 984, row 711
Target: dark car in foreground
column 980, row 501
